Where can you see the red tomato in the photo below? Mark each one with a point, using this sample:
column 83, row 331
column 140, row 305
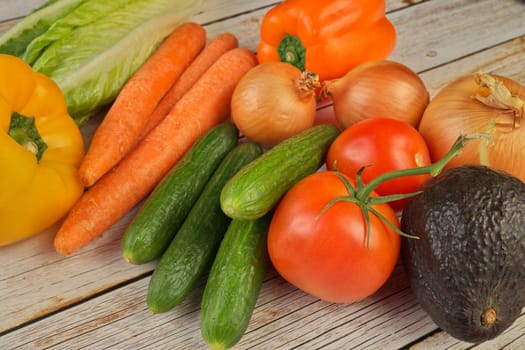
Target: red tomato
column 381, row 144
column 326, row 255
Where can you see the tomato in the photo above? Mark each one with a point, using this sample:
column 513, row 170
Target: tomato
column 382, row 145
column 327, row 254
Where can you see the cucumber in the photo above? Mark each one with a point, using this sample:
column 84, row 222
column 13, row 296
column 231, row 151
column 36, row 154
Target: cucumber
column 153, row 227
column 234, row 283
column 191, row 252
column 257, row 188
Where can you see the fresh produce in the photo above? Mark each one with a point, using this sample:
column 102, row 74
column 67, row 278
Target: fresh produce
column 96, row 45
column 328, row 254
column 214, row 49
column 326, row 37
column 205, row 105
column 192, row 250
column 18, row 37
column 129, row 114
column 234, row 283
column 273, row 102
column 381, row 145
column 257, row 187
column 160, row 217
column 479, row 103
column 40, row 151
column 467, row 269
column 378, row 88
column 334, row 238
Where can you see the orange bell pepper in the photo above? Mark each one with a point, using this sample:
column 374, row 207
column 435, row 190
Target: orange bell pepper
column 326, row 37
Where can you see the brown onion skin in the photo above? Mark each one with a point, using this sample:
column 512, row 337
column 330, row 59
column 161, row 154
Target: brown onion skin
column 268, row 107
column 454, row 110
column 379, row 88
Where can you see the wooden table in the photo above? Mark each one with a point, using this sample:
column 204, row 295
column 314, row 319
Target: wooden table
column 94, row 299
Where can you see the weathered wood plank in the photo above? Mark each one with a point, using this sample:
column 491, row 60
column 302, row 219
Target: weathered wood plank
column 284, row 318
column 512, row 339
column 382, row 319
column 35, row 280
column 504, row 59
column 15, row 8
column 434, row 33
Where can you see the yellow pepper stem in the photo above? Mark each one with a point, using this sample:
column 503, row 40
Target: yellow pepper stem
column 23, row 130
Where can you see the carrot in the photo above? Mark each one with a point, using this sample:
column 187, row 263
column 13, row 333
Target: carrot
column 211, row 52
column 205, row 105
column 123, row 124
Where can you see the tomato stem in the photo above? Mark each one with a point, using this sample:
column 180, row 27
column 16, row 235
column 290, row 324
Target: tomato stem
column 365, row 206
column 363, row 192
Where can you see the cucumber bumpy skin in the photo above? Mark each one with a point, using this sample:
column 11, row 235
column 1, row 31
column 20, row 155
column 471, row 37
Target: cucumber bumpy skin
column 257, row 188
column 153, row 227
column 234, row 283
column 192, row 250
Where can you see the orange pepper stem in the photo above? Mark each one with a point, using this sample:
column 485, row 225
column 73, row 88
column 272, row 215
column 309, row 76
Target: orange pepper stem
column 292, row 51
column 23, row 130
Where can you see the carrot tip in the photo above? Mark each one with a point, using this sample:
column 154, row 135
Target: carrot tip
column 86, row 178
column 59, row 246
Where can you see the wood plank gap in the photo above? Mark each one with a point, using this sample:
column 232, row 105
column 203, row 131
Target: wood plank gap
column 471, row 54
column 407, row 4
column 419, row 340
column 238, row 14
column 78, row 302
column 379, row 301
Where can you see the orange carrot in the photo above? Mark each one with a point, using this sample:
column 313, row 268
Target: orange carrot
column 205, row 105
column 123, row 124
column 211, row 52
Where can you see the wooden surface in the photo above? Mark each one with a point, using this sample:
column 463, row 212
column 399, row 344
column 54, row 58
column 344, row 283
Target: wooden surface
column 95, row 300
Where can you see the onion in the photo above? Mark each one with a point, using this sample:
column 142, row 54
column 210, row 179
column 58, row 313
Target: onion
column 479, row 103
column 273, row 102
column 379, row 88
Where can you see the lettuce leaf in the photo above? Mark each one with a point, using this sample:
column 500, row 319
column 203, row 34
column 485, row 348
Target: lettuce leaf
column 91, row 63
column 84, row 14
column 16, row 39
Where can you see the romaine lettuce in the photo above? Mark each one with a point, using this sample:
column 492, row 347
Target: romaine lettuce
column 16, row 39
column 84, row 14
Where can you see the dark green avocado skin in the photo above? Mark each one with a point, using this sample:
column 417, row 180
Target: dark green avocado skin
column 470, row 257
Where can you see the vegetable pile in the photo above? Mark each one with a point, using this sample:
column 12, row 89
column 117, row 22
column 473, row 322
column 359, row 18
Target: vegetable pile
column 222, row 150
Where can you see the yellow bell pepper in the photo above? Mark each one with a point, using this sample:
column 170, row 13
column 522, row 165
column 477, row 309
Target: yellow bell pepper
column 40, row 151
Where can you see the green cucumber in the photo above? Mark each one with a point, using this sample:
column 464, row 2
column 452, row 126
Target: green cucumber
column 153, row 227
column 257, row 188
column 234, row 283
column 191, row 252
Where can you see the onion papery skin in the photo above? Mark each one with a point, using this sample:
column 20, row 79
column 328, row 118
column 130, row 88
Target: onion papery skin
column 379, row 88
column 455, row 110
column 271, row 103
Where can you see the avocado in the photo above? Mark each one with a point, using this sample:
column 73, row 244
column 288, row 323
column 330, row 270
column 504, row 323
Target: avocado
column 467, row 269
